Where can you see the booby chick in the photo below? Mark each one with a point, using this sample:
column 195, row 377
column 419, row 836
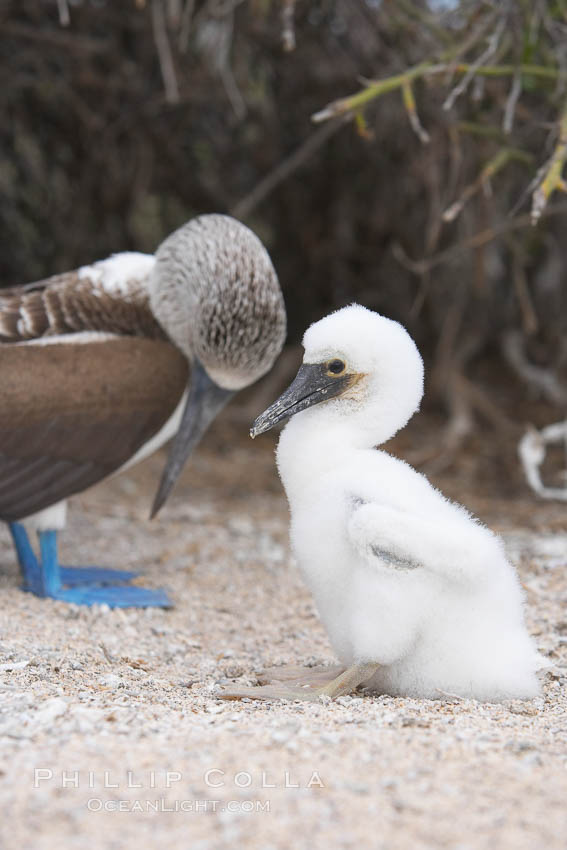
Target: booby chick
column 416, row 595
column 103, row 365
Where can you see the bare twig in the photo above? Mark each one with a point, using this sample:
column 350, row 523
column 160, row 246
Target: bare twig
column 484, row 130
column 464, row 398
column 482, row 402
column 214, row 37
column 288, row 27
column 432, row 22
column 173, row 13
column 185, row 29
column 543, row 72
column 531, row 450
column 444, row 366
column 511, row 103
column 419, row 267
column 362, row 127
column 285, row 168
column 377, row 88
column 530, row 323
column 64, row 16
column 462, row 86
column 492, row 167
column 164, row 53
column 473, row 38
column 459, row 426
column 372, row 90
column 435, row 459
column 233, row 92
column 411, row 109
column 543, row 380
column 65, row 40
column 552, row 174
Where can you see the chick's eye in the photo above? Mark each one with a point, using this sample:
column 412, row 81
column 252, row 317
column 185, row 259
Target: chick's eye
column 336, row 367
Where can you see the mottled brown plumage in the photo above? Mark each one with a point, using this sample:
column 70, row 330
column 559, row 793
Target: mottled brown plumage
column 60, row 437
column 67, row 303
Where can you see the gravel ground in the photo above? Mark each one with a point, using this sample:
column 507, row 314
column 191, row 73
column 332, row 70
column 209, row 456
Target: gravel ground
column 110, row 731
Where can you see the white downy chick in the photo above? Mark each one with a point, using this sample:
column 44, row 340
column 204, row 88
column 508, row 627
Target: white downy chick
column 409, row 586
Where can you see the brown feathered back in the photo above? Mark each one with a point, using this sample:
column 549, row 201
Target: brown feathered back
column 73, row 413
column 69, row 303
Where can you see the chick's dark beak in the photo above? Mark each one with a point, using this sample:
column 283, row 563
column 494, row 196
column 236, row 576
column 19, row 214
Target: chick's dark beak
column 311, row 385
column 205, row 400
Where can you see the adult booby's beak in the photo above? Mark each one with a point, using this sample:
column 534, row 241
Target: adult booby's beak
column 312, row 384
column 206, row 399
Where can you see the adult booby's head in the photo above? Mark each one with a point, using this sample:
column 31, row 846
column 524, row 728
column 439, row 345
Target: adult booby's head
column 216, row 295
column 364, row 367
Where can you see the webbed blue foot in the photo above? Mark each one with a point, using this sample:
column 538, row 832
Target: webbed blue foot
column 81, row 585
column 73, row 576
column 115, row 596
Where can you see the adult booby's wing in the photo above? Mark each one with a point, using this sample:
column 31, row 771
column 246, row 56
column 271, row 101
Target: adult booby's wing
column 74, row 409
column 110, row 296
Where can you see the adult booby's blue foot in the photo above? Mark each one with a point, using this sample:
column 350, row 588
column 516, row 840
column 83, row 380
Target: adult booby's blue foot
column 102, row 366
column 83, row 585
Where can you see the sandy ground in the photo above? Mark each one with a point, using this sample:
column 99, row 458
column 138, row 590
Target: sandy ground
column 110, row 732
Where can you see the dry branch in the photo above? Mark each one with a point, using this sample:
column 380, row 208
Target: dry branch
column 511, row 103
column 531, row 451
column 411, row 109
column 492, row 167
column 185, row 28
column 461, row 87
column 64, row 16
column 165, row 56
column 288, row 26
column 285, row 169
column 377, row 88
column 65, row 40
column 551, row 179
column 483, row 237
column 544, row 381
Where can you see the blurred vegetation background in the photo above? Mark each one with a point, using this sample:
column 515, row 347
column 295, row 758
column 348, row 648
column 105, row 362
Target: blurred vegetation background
column 428, row 186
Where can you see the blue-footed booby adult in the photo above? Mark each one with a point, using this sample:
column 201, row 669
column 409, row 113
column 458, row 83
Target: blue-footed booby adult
column 101, row 366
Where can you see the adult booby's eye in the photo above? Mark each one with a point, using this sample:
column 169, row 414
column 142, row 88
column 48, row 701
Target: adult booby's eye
column 336, row 367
